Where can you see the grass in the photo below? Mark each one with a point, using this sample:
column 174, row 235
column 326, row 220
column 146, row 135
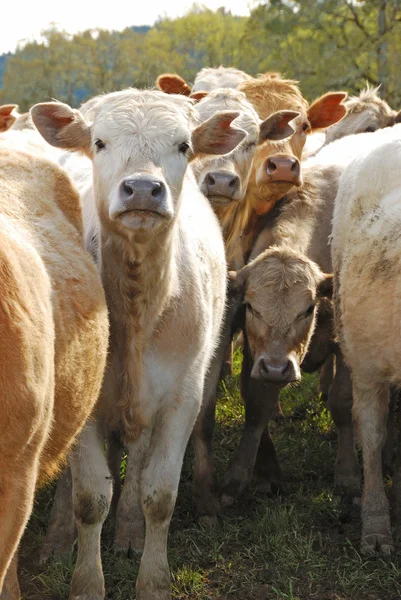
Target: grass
column 302, row 545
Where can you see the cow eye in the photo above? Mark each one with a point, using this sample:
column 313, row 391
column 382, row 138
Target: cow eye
column 309, row 310
column 183, row 147
column 249, row 307
column 370, row 129
column 305, row 126
column 250, row 146
column 99, row 145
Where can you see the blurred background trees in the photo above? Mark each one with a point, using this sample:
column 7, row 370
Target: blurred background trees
column 325, row 44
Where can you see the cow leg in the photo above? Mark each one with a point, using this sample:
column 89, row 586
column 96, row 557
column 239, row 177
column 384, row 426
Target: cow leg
column 326, row 377
column 115, row 451
column 397, row 473
column 388, row 449
column 370, row 413
column 260, row 403
column 130, row 521
column 92, row 492
column 17, row 489
column 207, row 504
column 267, row 468
column 347, row 477
column 159, row 486
column 61, row 531
column 11, row 589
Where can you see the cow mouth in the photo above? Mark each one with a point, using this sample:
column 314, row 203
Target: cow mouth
column 221, row 200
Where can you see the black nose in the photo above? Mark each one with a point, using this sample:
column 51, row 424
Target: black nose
column 221, row 183
column 276, row 372
column 142, row 189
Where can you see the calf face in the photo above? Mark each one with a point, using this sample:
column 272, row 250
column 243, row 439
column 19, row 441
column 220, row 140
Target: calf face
column 141, row 143
column 225, row 179
column 281, row 289
column 277, row 168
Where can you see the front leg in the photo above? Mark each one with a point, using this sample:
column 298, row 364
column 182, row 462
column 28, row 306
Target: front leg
column 92, row 492
column 159, row 486
column 260, row 402
column 130, row 521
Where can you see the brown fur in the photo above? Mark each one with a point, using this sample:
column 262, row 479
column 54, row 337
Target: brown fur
column 54, row 333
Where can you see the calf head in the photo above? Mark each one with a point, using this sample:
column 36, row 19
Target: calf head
column 7, row 118
column 140, row 143
column 277, row 164
column 224, row 179
column 365, row 113
column 281, row 290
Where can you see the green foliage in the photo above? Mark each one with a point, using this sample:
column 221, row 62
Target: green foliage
column 325, row 44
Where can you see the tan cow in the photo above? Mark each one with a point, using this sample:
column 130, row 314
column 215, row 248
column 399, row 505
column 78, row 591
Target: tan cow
column 54, row 336
column 366, row 254
column 161, row 257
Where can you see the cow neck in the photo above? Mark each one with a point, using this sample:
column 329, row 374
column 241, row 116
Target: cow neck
column 258, row 222
column 138, row 277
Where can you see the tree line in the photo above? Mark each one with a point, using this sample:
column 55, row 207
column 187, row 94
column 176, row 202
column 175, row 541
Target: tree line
column 325, row 44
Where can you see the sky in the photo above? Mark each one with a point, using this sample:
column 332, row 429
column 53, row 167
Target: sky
column 32, row 16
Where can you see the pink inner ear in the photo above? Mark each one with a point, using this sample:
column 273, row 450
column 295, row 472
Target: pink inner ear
column 225, row 122
column 7, row 109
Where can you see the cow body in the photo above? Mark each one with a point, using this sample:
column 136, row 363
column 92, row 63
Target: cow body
column 366, row 261
column 161, row 258
column 55, row 334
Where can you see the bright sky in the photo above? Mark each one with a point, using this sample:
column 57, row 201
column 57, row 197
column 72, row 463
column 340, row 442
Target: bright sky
column 30, row 17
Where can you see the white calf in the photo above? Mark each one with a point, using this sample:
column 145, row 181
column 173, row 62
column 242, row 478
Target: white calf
column 161, row 258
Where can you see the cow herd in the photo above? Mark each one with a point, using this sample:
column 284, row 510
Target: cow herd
column 139, row 235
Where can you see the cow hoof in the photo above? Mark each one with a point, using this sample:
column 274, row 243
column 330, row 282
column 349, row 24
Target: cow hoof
column 373, row 543
column 154, row 588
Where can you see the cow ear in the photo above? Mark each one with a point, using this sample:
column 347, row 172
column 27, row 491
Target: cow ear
column 277, row 127
column 397, row 118
column 325, row 287
column 198, row 96
column 216, row 136
column 7, row 119
column 171, row 83
column 236, row 283
column 62, row 126
column 327, row 110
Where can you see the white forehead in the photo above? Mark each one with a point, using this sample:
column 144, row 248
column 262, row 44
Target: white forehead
column 228, row 99
column 147, row 114
column 221, row 77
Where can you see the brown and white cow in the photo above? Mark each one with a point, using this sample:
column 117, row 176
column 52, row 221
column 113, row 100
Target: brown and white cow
column 161, row 257
column 207, row 80
column 224, row 179
column 366, row 254
column 54, row 337
column 277, row 164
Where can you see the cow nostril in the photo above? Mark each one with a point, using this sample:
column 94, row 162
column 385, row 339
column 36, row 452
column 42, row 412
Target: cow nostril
column 210, row 180
column 157, row 189
column 234, row 183
column 271, row 166
column 128, row 189
column 294, row 166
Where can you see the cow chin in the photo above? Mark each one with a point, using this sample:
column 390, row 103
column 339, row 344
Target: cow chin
column 272, row 192
column 141, row 219
column 218, row 201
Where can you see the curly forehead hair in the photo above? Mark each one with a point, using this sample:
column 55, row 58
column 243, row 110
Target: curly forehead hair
column 270, row 92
